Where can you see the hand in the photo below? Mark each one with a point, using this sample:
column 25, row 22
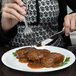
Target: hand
column 12, row 13
column 69, row 23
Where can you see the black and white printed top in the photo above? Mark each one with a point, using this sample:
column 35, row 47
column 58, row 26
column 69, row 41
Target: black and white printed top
column 42, row 17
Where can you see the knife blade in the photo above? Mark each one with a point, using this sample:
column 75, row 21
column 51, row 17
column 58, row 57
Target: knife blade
column 52, row 38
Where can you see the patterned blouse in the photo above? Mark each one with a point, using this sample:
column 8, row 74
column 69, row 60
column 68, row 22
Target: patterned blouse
column 42, row 17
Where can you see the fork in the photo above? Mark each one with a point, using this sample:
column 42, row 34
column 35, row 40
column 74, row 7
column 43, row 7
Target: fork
column 27, row 29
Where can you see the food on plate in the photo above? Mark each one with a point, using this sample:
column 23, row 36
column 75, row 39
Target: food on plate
column 38, row 45
column 65, row 61
column 37, row 54
column 21, row 53
column 39, row 58
column 23, row 60
column 44, row 52
column 34, row 55
column 52, row 60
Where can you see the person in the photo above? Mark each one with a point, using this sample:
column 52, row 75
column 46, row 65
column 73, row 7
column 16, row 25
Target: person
column 44, row 17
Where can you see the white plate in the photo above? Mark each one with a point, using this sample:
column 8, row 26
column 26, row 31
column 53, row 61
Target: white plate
column 10, row 61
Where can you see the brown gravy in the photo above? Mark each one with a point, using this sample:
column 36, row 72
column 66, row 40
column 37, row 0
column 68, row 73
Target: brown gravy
column 23, row 60
column 38, row 45
column 35, row 65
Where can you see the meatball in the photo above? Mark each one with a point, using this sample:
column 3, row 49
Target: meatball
column 37, row 54
column 52, row 59
column 23, row 60
column 44, row 52
column 21, row 53
column 34, row 55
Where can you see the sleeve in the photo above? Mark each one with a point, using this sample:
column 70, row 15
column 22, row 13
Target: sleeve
column 72, row 4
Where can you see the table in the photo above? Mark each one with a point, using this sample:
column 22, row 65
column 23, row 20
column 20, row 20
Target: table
column 5, row 71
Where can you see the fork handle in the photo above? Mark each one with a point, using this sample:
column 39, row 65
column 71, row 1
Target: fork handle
column 25, row 21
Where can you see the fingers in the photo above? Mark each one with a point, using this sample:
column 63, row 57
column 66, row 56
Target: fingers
column 14, row 13
column 8, row 21
column 19, row 2
column 19, row 9
column 8, row 15
column 15, row 10
column 73, row 23
column 69, row 23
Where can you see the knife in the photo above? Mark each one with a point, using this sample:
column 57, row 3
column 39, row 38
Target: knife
column 52, row 38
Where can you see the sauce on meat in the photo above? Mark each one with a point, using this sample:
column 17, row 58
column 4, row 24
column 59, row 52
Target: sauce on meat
column 38, row 45
column 35, row 65
column 23, row 60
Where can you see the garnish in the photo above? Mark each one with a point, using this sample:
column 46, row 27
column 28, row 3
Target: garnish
column 65, row 62
column 14, row 53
